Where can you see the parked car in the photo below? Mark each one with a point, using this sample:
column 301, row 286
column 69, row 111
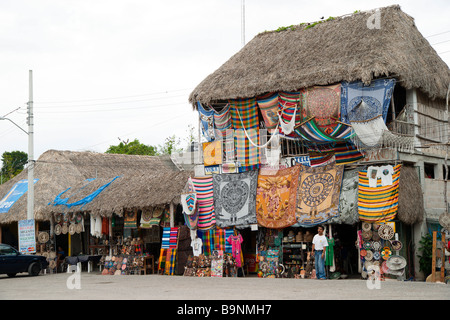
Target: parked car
column 13, row 262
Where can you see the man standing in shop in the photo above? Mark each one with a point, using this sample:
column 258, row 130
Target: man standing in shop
column 318, row 247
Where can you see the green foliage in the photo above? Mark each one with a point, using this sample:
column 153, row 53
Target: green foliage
column 133, row 147
column 171, row 144
column 13, row 163
column 425, row 259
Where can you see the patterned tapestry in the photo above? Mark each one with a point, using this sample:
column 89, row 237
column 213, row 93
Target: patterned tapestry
column 318, row 194
column 289, row 112
column 205, row 202
column 212, row 153
column 377, row 96
column 222, row 122
column 276, row 197
column 378, row 202
column 130, row 219
column 234, row 198
column 268, row 105
column 207, row 122
column 146, row 217
column 348, row 200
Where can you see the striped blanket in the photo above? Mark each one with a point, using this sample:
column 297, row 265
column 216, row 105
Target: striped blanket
column 222, row 122
column 162, row 260
column 246, row 153
column 380, row 203
column 244, row 113
column 173, row 238
column 165, row 241
column 215, row 239
column 170, row 263
column 288, row 105
column 344, row 153
column 205, row 200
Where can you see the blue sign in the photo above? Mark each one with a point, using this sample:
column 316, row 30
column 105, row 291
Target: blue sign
column 14, row 194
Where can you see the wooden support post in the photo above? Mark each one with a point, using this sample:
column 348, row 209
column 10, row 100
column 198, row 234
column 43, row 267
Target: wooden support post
column 433, row 259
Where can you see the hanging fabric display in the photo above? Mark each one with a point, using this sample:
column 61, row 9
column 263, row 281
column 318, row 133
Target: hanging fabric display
column 165, row 241
column 276, row 198
column 234, row 201
column 377, row 96
column 377, row 202
column 268, row 105
column 289, row 115
column 207, row 122
column 322, row 105
column 205, row 202
column 318, row 194
column 348, row 199
column 130, row 219
column 273, row 153
column 146, row 218
column 244, row 113
column 212, row 153
column 222, row 122
column 344, row 153
column 246, row 153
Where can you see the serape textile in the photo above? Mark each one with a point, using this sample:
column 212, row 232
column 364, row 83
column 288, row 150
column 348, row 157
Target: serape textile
column 318, row 194
column 234, row 198
column 276, row 197
column 173, row 238
column 377, row 95
column 289, row 108
column 206, row 121
column 222, row 122
column 344, row 153
column 162, row 260
column 246, row 153
column 228, row 246
column 189, row 202
column 244, row 113
column 130, row 219
column 156, row 217
column 171, row 259
column 212, row 153
column 214, row 239
column 322, row 103
column 348, row 199
column 165, row 241
column 205, row 200
column 317, row 159
column 310, row 132
column 380, row 203
column 191, row 221
column 268, row 105
column 146, row 218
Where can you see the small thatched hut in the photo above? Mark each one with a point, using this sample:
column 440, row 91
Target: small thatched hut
column 141, row 182
column 346, row 48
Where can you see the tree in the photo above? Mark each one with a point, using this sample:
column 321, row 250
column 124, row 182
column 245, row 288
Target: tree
column 133, row 147
column 171, row 144
column 13, row 163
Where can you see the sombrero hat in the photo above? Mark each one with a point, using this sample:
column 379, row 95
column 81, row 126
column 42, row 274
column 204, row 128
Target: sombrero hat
column 43, row 237
column 58, row 229
column 64, row 228
column 78, row 228
column 396, row 245
column 72, row 229
column 396, row 262
column 366, row 226
column 386, row 232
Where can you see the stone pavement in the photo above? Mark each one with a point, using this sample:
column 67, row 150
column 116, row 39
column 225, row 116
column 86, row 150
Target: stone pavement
column 158, row 287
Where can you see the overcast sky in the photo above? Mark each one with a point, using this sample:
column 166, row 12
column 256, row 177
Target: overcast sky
column 108, row 69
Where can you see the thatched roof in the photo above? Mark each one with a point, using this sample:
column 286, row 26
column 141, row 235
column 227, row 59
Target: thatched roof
column 343, row 49
column 411, row 208
column 143, row 182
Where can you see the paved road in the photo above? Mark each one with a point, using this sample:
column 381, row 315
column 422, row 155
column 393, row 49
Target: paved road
column 159, row 287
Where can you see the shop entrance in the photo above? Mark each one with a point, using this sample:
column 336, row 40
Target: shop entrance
column 345, row 250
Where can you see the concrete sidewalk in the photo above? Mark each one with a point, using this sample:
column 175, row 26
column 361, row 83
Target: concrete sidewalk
column 159, row 287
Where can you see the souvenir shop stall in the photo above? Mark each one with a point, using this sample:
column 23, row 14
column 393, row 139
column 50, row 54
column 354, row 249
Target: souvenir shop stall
column 284, row 163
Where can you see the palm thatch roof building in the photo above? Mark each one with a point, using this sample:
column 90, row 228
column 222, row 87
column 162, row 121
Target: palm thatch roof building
column 345, row 48
column 140, row 182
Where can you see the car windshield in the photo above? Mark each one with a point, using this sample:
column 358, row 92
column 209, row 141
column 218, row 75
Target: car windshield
column 7, row 250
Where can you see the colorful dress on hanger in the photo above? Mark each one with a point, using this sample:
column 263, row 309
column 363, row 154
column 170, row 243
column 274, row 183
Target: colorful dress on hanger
column 236, row 248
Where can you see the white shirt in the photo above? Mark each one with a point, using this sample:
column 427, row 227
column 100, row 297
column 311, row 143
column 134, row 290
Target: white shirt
column 373, row 175
column 320, row 242
column 385, row 173
column 196, row 245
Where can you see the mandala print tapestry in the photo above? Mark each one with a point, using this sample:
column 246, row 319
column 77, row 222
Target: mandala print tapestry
column 234, row 198
column 318, row 194
column 276, row 197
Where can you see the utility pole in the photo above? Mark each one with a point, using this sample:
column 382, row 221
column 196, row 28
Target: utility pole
column 243, row 22
column 30, row 120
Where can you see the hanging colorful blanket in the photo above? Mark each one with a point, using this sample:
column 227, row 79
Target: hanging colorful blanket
column 191, row 221
column 318, row 194
column 344, row 153
column 244, row 113
column 171, row 259
column 206, row 121
column 348, row 199
column 234, row 198
column 378, row 203
column 165, row 241
column 222, row 122
column 146, row 218
column 130, row 219
column 275, row 198
column 205, row 200
column 212, row 153
column 269, row 105
column 189, row 202
column 246, row 153
column 173, row 238
column 162, row 260
column 377, row 95
column 228, row 247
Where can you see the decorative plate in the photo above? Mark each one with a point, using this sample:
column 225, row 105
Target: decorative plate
column 376, row 255
column 369, row 255
column 366, row 226
column 72, row 229
column 79, row 228
column 396, row 245
column 367, row 245
column 386, row 232
column 376, row 245
column 64, row 228
column 366, row 235
column 375, row 236
column 58, row 229
column 363, row 252
column 43, row 237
